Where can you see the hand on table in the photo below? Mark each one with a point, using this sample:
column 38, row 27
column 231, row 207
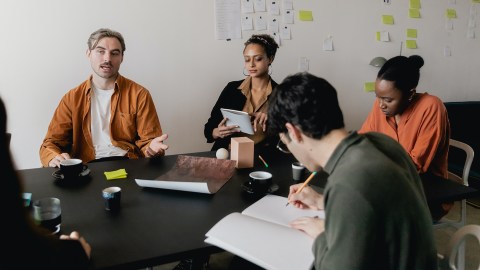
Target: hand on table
column 76, row 236
column 55, row 162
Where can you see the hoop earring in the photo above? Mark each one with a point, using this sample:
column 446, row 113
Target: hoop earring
column 244, row 72
column 270, row 70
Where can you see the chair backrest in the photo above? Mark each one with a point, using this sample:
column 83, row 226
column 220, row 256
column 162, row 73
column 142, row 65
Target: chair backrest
column 468, row 161
column 448, row 260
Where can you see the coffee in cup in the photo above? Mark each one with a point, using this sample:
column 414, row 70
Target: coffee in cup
column 71, row 168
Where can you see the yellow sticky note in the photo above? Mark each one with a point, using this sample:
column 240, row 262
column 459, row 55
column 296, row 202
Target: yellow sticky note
column 411, row 44
column 415, row 4
column 369, row 86
column 378, row 36
column 414, row 13
column 476, row 1
column 451, row 13
column 387, row 19
column 305, row 15
column 118, row 174
column 412, row 33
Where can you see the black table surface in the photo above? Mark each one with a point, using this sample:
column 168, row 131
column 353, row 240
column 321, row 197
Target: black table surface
column 154, row 226
column 157, row 226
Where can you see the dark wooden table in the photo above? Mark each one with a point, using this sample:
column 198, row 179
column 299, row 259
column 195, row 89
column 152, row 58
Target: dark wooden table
column 156, row 226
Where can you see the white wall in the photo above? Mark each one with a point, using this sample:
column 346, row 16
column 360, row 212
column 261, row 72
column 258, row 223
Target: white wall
column 172, row 50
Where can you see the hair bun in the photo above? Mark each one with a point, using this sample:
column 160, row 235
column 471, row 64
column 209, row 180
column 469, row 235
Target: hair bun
column 416, row 61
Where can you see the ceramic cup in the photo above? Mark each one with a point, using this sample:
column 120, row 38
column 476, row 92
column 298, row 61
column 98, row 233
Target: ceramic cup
column 260, row 181
column 47, row 213
column 298, row 171
column 71, row 168
column 112, row 196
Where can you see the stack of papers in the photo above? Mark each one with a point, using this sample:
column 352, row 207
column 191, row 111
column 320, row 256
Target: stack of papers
column 118, row 174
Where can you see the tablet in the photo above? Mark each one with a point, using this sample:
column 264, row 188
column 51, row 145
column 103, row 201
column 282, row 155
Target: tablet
column 238, row 118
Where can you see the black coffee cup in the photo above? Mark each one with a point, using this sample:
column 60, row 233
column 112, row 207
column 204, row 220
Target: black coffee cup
column 260, row 182
column 71, row 168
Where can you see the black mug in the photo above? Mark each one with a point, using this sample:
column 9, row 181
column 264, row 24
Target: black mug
column 260, row 182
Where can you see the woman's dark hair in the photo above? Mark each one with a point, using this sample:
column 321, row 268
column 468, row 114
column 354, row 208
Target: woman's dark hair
column 306, row 101
column 403, row 71
column 266, row 41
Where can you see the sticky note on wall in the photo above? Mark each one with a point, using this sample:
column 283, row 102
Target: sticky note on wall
column 387, row 19
column 415, row 4
column 305, row 15
column 411, row 44
column 451, row 13
column 414, row 13
column 412, row 33
column 369, row 86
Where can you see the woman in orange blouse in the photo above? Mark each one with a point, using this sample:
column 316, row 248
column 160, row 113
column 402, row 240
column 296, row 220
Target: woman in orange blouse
column 418, row 121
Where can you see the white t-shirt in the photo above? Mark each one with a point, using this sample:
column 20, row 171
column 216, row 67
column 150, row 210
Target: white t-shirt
column 100, row 124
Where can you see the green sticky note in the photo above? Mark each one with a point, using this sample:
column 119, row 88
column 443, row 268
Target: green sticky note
column 118, row 174
column 415, row 4
column 414, row 13
column 387, row 19
column 378, row 36
column 305, row 15
column 451, row 13
column 412, row 33
column 369, row 86
column 476, row 1
column 411, row 44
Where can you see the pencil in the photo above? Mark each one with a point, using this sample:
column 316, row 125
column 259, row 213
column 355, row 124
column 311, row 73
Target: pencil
column 265, row 163
column 304, row 184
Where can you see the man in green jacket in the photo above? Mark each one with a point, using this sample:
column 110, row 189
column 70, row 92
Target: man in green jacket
column 376, row 215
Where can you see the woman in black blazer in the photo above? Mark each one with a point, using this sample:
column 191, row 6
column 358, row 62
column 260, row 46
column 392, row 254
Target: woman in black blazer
column 249, row 95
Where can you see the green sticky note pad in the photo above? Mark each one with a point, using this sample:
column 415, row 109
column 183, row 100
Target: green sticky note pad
column 387, row 19
column 412, row 33
column 414, row 13
column 118, row 174
column 451, row 13
column 411, row 44
column 415, row 4
column 369, row 86
column 305, row 15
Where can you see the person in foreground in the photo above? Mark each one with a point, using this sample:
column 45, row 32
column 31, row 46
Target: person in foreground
column 250, row 95
column 107, row 116
column 376, row 216
column 418, row 121
column 29, row 247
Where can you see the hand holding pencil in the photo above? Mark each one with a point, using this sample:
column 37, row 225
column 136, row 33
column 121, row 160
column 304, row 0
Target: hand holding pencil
column 303, row 196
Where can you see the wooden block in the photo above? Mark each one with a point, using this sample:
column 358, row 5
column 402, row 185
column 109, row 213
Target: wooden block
column 242, row 152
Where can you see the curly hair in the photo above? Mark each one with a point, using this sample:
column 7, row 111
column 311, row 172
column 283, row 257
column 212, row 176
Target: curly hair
column 266, row 41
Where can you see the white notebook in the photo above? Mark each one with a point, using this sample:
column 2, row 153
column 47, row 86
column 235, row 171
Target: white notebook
column 238, row 118
column 261, row 235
